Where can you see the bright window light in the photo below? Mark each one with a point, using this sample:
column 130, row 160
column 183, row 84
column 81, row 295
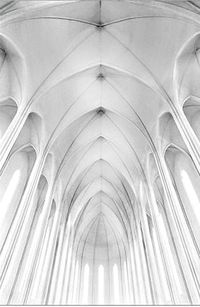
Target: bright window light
column 116, row 284
column 86, row 284
column 9, row 193
column 191, row 193
column 101, row 284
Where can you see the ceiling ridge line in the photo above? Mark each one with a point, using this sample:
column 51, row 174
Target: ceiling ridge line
column 162, row 91
column 84, row 207
column 120, row 20
column 64, row 19
column 84, row 173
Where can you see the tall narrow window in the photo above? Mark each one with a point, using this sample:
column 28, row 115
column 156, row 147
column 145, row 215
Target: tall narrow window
column 101, row 284
column 191, row 193
column 11, row 189
column 116, row 284
column 85, row 284
column 7, row 199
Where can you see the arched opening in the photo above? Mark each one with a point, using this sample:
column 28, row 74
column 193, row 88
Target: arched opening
column 8, row 110
column 169, row 133
column 31, row 132
column 187, row 184
column 187, row 69
column 191, row 109
column 12, row 186
column 12, row 69
column 166, row 232
column 84, row 218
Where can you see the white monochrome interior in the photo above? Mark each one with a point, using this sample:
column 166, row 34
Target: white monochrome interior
column 100, row 152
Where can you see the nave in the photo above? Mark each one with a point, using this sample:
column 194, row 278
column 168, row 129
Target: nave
column 99, row 152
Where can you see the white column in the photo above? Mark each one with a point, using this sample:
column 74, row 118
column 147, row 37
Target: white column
column 41, row 279
column 189, row 137
column 145, row 271
column 173, row 291
column 55, row 274
column 135, row 267
column 182, row 248
column 28, row 274
column 22, row 219
column 11, row 135
column 155, row 280
column 67, row 270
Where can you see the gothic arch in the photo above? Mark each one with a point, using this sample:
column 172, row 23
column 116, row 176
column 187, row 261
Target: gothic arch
column 99, row 152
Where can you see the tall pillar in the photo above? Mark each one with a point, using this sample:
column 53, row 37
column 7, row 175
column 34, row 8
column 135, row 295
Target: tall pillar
column 71, row 278
column 11, row 135
column 62, row 264
column 146, row 277
column 34, row 244
column 13, row 249
column 163, row 250
column 130, row 271
column 182, row 248
column 67, row 269
column 135, row 265
column 57, row 259
column 167, row 298
column 155, row 278
column 22, row 215
column 189, row 137
column 41, row 280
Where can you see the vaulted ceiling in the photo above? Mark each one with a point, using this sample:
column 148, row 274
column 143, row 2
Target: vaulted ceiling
column 99, row 73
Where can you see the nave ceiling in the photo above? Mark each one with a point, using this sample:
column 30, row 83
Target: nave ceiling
column 104, row 82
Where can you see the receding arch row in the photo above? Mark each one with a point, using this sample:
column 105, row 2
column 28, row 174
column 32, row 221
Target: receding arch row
column 101, row 102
